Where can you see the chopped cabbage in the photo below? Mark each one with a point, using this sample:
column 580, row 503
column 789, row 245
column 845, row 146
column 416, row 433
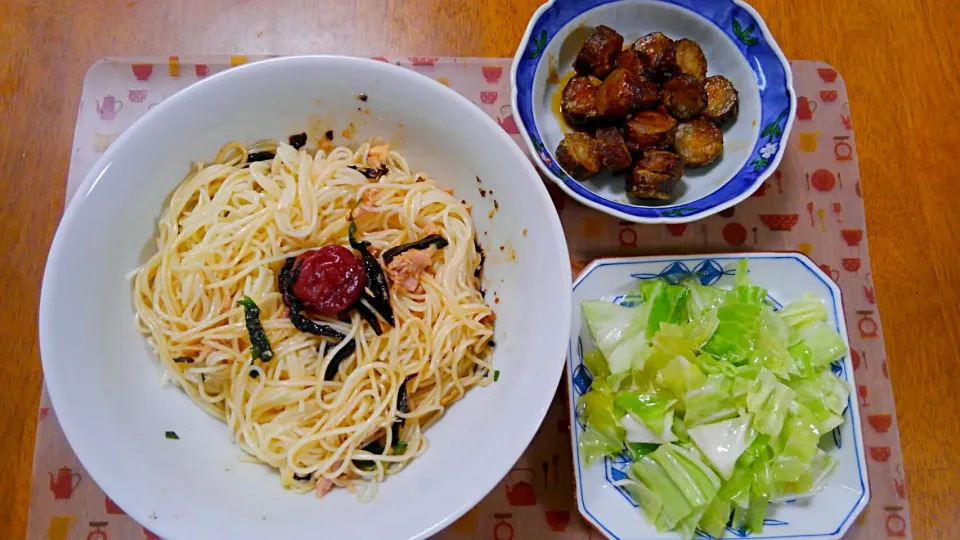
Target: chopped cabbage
column 719, row 401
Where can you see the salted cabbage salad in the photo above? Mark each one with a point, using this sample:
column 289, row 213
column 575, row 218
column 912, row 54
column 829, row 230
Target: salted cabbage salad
column 717, row 398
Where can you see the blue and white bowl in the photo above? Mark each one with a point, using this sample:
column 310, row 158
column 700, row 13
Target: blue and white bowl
column 786, row 276
column 737, row 45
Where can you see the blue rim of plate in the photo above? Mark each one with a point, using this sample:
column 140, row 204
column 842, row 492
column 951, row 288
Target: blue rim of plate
column 706, row 270
column 745, row 29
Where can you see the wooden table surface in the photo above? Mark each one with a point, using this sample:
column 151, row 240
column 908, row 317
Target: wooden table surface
column 900, row 61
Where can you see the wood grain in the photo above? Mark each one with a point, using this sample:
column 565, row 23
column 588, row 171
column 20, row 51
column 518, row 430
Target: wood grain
column 900, row 61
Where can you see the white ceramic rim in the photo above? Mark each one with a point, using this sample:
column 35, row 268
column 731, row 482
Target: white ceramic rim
column 81, row 445
column 774, row 163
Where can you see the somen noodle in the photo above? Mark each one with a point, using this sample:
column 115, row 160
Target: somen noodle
column 229, row 229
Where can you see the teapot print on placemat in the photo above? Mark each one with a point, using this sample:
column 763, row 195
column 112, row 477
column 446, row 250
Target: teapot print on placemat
column 64, row 483
column 521, row 492
column 109, row 108
column 805, row 108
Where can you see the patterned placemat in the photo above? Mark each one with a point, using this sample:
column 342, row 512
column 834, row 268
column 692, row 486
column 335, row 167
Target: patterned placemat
column 812, row 204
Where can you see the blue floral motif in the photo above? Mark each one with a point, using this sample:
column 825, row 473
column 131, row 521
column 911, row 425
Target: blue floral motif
column 707, row 272
column 773, row 133
column 582, row 378
column 616, row 470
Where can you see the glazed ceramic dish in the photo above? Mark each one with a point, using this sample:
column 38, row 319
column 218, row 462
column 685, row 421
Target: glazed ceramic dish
column 104, row 380
column 786, row 276
column 736, row 43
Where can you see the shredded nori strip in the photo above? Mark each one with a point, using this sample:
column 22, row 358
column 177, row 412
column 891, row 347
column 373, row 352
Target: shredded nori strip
column 302, row 477
column 309, row 326
column 259, row 344
column 376, row 447
column 423, row 243
column 403, row 406
column 285, row 280
column 368, row 315
column 183, row 360
column 399, row 447
column 329, row 135
column 288, row 275
column 254, row 374
column 370, row 172
column 172, row 435
column 334, row 364
column 376, row 279
column 253, row 157
column 298, row 141
column 483, row 259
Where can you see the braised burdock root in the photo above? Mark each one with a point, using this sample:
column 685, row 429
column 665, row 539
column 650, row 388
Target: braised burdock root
column 690, row 59
column 579, row 100
column 650, row 129
column 621, row 93
column 613, row 149
column 598, row 53
column 723, row 100
column 649, row 108
column 699, row 142
column 579, row 155
column 659, row 53
column 683, row 96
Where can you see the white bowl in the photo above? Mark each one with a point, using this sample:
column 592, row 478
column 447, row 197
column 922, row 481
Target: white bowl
column 737, row 45
column 103, row 378
column 786, row 276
